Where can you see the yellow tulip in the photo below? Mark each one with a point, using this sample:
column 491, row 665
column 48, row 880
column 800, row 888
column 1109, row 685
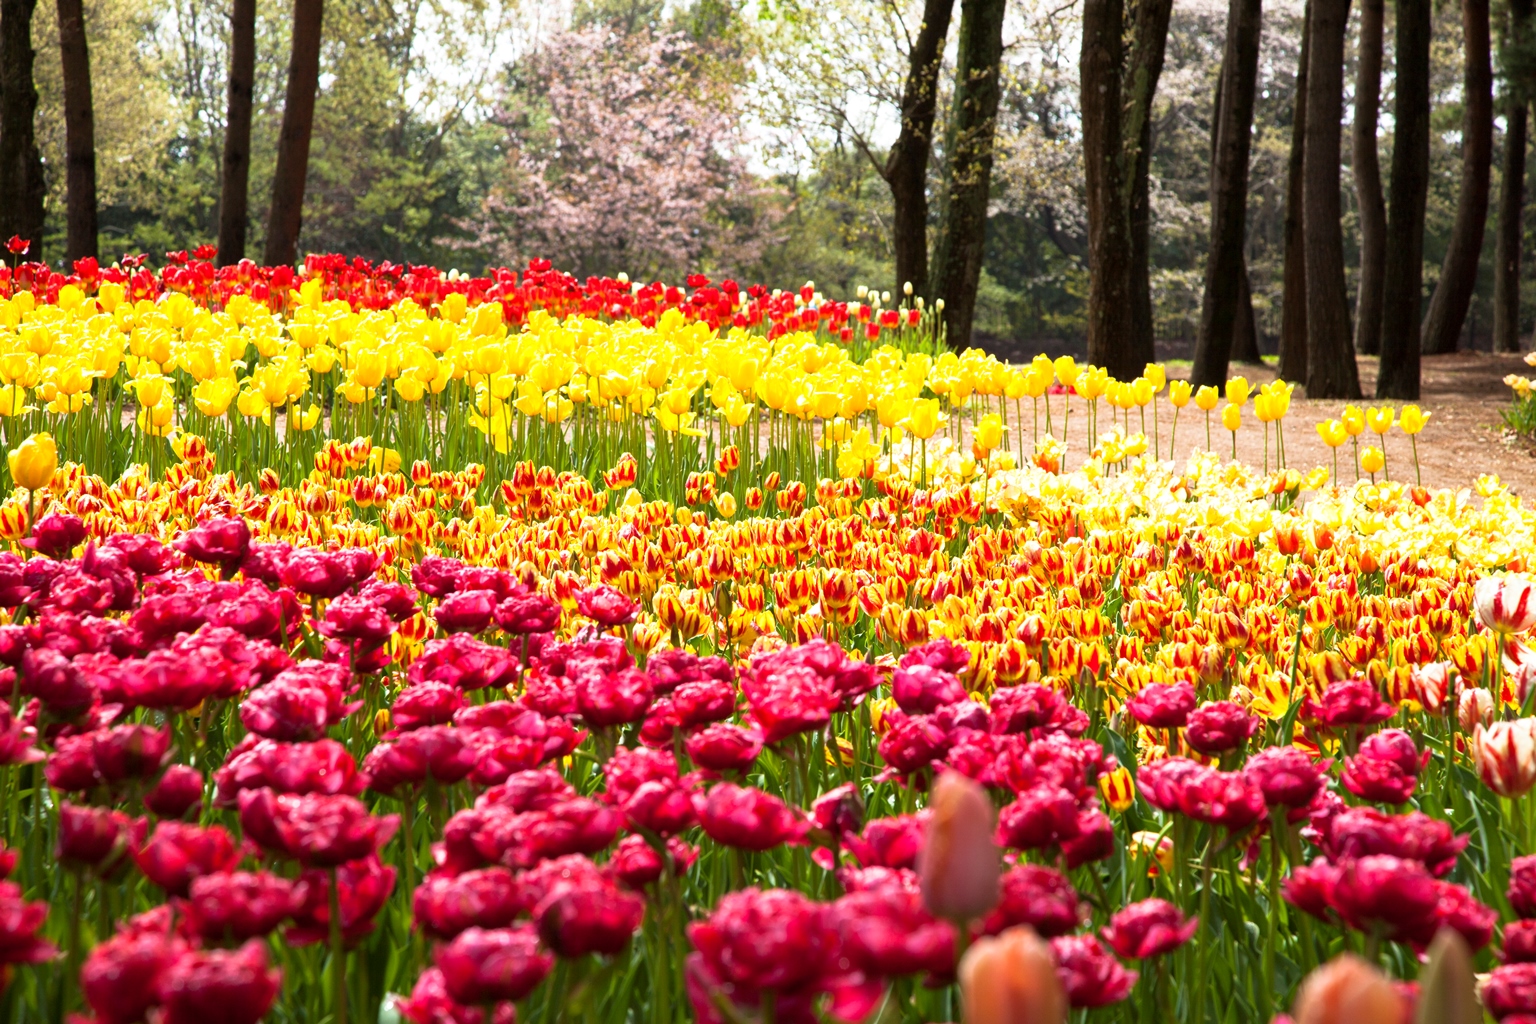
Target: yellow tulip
column 1066, row 370
column 1372, row 459
column 1237, row 390
column 1354, row 421
column 213, row 396
column 1413, row 420
column 1332, row 432
column 1155, row 373
column 1179, row 393
column 34, row 461
column 1381, row 419
column 989, row 432
column 923, row 418
column 1232, row 417
column 1207, row 397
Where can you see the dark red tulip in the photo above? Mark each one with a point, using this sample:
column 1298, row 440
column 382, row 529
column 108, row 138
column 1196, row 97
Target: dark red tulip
column 397, row 600
column 92, row 837
column 790, row 702
column 1378, row 781
column 1160, row 706
column 219, row 542
column 1018, row 709
column 50, row 677
column 588, row 916
column 1090, row 975
column 363, row 887
column 177, row 853
column 1041, row 817
column 889, row 842
column 355, row 618
column 1361, row 831
column 323, row 766
column 839, row 810
column 1395, row 896
column 317, row 573
column 430, row 1003
column 1510, row 990
column 606, row 606
column 1219, row 726
column 1351, row 702
column 637, row 864
column 17, row 740
column 179, row 790
column 299, row 704
column 748, row 818
column 315, row 829
column 913, row 743
column 922, row 689
column 238, row 905
column 437, row 752
column 724, row 747
column 463, row 661
column 121, row 978
column 703, row 701
column 1148, row 928
column 425, row 703
column 614, row 699
column 522, row 614
column 1522, row 885
column 1216, row 798
column 57, row 535
column 1286, row 775
column 760, row 940
column 1520, row 942
column 887, row 931
column 445, row 905
column 227, row 986
column 20, row 922
column 437, row 576
column 468, row 611
column 1039, row 897
column 488, row 965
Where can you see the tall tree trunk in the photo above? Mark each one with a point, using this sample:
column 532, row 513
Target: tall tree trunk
column 79, row 132
column 1109, row 229
column 1233, row 128
column 962, row 236
column 1506, row 279
column 1293, row 301
column 1245, row 330
column 1331, row 371
column 1403, row 284
column 1367, row 168
column 234, row 185
column 286, row 215
column 1506, row 274
column 1145, row 67
column 21, row 164
column 906, row 166
column 1458, row 274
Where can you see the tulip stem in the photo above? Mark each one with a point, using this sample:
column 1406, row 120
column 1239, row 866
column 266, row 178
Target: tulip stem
column 338, row 954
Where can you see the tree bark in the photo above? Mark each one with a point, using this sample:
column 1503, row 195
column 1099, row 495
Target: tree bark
column 21, row 164
column 1233, row 129
column 1403, row 285
column 1458, row 274
column 234, row 184
column 1367, row 171
column 1506, row 274
column 962, row 235
column 1148, row 47
column 906, row 166
column 1109, row 229
column 1293, row 301
column 287, row 212
column 1331, row 371
column 79, row 132
column 1245, row 330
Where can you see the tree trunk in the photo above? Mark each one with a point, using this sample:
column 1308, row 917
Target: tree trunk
column 1245, row 330
column 1109, row 234
column 1506, row 274
column 1367, row 169
column 962, row 237
column 79, row 132
column 1458, row 274
column 1506, row 280
column 906, row 166
column 1293, row 302
column 1403, row 285
column 1145, row 68
column 1331, row 371
column 1233, row 128
column 233, row 187
column 286, row 215
column 21, row 164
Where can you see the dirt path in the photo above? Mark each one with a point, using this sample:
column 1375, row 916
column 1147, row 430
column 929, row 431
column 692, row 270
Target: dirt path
column 1465, row 436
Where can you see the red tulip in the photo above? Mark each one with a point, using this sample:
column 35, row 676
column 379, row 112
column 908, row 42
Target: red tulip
column 463, row 661
column 445, row 905
column 363, row 887
column 20, row 922
column 606, row 606
column 1394, row 895
column 1036, row 896
column 921, row 689
column 483, row 965
column 428, row 702
column 430, row 1003
column 1522, row 885
column 588, row 916
column 353, row 617
column 1286, row 776
column 300, row 704
column 887, row 931
column 1090, row 975
column 614, row 699
column 220, row 542
column 702, row 702
column 1042, row 816
column 229, row 987
column 1520, row 942
column 179, row 790
column 1362, row 831
column 522, row 614
column 723, row 747
column 177, row 853
column 637, row 864
column 748, row 818
column 92, row 837
column 790, row 702
column 236, row 906
column 1160, row 706
column 758, row 940
column 436, row 752
column 1510, row 990
column 315, row 829
column 468, row 611
column 1147, row 929
column 894, row 842
column 121, row 978
column 1219, row 726
column 1351, row 702
column 323, row 766
column 1017, row 709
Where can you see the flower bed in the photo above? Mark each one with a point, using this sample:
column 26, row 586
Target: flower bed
column 581, row 736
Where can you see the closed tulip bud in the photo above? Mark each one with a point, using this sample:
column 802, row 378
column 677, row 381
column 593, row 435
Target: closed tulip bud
column 1474, row 707
column 959, row 861
column 34, row 461
column 1447, row 985
column 1347, row 990
column 1505, row 753
column 1011, row 979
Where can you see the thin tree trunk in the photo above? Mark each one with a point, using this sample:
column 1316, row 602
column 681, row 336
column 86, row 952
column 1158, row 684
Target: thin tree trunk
column 1109, row 234
column 1293, row 301
column 1145, row 67
column 1331, row 371
column 1458, row 274
column 1367, row 170
column 234, row 186
column 21, row 164
column 79, row 132
column 1245, row 330
column 1233, row 128
column 1506, row 275
column 962, row 236
column 906, row 166
column 286, row 215
column 1403, row 285
column 1506, row 280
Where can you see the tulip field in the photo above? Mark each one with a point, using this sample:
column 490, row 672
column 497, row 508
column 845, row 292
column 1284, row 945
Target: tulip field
column 386, row 645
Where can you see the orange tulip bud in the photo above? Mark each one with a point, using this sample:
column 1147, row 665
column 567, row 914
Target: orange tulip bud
column 1011, row 979
column 1347, row 990
column 959, row 861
